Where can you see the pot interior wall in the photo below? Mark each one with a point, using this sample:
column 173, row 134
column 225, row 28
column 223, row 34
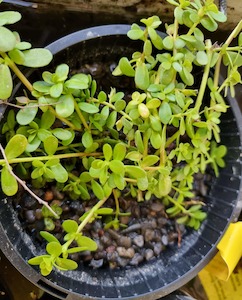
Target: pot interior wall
column 175, row 266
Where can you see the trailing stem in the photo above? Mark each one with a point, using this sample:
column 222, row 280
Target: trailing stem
column 22, row 183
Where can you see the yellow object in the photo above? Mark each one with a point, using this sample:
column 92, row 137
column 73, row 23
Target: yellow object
column 216, row 289
column 230, row 252
column 217, row 278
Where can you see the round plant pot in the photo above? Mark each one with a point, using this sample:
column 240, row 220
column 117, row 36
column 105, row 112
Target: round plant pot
column 176, row 265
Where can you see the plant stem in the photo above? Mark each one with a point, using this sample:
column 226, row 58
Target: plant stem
column 48, row 157
column 16, row 70
column 64, row 120
column 203, row 84
column 115, row 194
column 22, row 183
column 80, row 115
column 177, row 204
column 113, row 107
column 233, row 35
column 86, row 220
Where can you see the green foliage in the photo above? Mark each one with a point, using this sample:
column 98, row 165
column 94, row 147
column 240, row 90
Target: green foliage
column 98, row 144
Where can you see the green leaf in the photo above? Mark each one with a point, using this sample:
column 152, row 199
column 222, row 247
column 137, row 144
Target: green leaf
column 66, row 264
column 118, row 181
column 142, row 80
column 62, row 134
column 168, row 43
column 27, row 114
column 120, row 105
column 65, row 106
column 88, row 107
column 202, row 58
column 17, row 56
column 111, row 119
column 7, row 40
column 155, row 139
column 165, row 112
column 149, row 160
column 139, row 141
column 125, row 67
column 165, row 184
column 9, row 17
column 87, row 242
column 6, row 82
column 16, row 146
column 60, row 173
column 78, row 81
column 105, row 211
column 61, row 72
column 36, row 58
column 147, row 48
column 209, row 24
column 47, row 119
column 23, row 46
column 97, row 190
column 107, row 152
column 135, row 33
column 54, row 248
column 70, row 226
column 48, row 236
column 116, row 166
column 56, row 90
column 119, row 151
column 102, row 97
column 135, row 172
column 50, row 145
column 134, row 156
column 37, row 260
column 9, row 183
column 187, row 77
column 143, row 183
column 87, row 139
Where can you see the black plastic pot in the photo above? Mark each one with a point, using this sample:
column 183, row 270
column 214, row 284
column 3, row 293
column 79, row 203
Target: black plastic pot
column 176, row 266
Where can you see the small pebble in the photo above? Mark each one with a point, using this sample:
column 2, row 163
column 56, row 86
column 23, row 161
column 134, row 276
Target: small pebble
column 164, row 240
column 124, row 241
column 96, row 263
column 157, row 206
column 127, row 253
column 139, row 241
column 149, row 254
column 149, row 235
column 157, row 248
column 49, row 196
column 138, row 258
column 30, row 216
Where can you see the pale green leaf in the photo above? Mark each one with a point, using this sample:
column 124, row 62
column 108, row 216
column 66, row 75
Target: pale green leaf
column 6, row 82
column 9, row 183
column 36, row 58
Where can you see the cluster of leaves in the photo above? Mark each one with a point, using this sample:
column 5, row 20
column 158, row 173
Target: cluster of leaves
column 92, row 142
column 14, row 51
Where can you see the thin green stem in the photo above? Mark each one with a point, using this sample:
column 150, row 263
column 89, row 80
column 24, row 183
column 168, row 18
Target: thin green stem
column 23, row 184
column 64, row 120
column 232, row 36
column 80, row 115
column 16, row 70
column 172, row 138
column 85, row 221
column 203, row 84
column 115, row 195
column 48, row 157
column 173, row 201
column 113, row 108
